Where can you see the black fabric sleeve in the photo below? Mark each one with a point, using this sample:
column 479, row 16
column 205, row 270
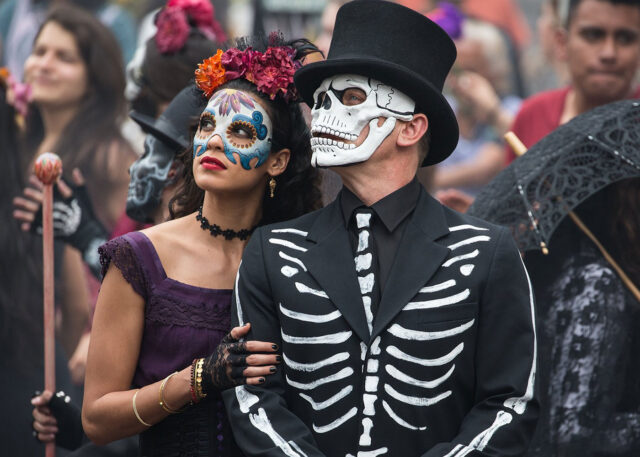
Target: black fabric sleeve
column 262, row 423
column 503, row 419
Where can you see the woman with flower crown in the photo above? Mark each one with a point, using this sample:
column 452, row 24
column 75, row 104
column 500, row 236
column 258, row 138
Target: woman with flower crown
column 158, row 360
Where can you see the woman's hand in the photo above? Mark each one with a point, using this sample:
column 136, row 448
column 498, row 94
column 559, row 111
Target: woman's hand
column 45, row 426
column 55, row 418
column 74, row 220
column 236, row 362
column 476, row 92
column 28, row 206
column 72, row 210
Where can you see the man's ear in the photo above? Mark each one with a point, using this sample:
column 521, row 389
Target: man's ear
column 411, row 131
column 278, row 162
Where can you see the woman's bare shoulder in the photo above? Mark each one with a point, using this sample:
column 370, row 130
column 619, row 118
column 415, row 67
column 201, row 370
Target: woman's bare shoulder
column 170, row 234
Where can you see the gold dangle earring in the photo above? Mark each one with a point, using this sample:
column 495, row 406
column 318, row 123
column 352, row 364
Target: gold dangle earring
column 272, row 186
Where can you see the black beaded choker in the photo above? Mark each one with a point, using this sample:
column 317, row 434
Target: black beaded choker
column 215, row 230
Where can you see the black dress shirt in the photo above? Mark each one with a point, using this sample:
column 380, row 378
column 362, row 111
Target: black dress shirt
column 391, row 218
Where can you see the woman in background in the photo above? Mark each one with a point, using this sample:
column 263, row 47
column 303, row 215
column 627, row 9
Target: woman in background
column 77, row 104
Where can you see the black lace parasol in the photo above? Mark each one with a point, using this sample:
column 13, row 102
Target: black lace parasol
column 535, row 192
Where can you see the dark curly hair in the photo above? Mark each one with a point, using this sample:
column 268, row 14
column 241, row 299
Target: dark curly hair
column 298, row 190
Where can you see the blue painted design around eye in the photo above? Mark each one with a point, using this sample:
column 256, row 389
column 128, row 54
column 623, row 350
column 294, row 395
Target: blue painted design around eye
column 255, row 120
column 200, row 146
column 257, row 151
column 246, row 156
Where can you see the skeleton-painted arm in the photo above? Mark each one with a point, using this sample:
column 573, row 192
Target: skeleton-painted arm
column 261, row 421
column 506, row 407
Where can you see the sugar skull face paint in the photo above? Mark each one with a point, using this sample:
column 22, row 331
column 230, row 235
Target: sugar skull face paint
column 242, row 124
column 149, row 176
column 338, row 114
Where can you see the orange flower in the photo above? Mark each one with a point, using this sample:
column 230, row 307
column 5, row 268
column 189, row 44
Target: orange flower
column 4, row 76
column 210, row 74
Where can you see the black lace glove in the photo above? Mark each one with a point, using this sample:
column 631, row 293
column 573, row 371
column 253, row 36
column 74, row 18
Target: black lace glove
column 225, row 366
column 75, row 223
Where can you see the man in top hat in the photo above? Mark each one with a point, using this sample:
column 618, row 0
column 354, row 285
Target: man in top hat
column 406, row 329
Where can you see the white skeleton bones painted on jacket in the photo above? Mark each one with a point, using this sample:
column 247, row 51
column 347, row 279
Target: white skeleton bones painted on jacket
column 333, row 121
column 384, row 365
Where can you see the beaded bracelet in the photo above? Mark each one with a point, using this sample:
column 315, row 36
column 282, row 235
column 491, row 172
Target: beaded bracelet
column 198, row 379
column 135, row 410
column 192, row 387
column 162, row 401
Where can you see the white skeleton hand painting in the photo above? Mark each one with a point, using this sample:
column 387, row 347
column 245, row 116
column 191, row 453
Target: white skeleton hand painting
column 336, row 125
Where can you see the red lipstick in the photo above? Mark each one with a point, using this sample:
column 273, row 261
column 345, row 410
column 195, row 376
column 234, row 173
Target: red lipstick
column 211, row 163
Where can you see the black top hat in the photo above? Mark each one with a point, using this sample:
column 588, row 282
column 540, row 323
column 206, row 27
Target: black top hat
column 172, row 126
column 401, row 48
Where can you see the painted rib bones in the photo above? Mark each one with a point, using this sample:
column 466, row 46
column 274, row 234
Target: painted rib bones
column 289, row 244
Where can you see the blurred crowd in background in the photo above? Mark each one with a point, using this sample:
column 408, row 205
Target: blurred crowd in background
column 88, row 66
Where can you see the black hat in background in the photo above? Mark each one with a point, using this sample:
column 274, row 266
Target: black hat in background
column 401, row 48
column 172, row 126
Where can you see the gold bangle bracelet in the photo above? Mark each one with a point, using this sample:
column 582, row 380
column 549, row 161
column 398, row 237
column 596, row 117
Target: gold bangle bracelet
column 135, row 410
column 162, row 401
column 198, row 379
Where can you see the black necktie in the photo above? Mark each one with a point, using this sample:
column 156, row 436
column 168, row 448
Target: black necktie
column 366, row 262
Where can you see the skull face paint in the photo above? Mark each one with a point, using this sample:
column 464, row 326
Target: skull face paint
column 149, row 176
column 334, row 119
column 242, row 124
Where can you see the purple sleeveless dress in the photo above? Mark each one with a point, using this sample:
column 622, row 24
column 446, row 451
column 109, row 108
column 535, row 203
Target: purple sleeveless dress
column 181, row 322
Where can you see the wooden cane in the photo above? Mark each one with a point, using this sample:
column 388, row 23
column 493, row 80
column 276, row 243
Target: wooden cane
column 627, row 281
column 520, row 149
column 515, row 144
column 48, row 168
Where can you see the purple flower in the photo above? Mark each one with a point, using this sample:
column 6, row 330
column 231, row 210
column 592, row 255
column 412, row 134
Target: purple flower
column 230, row 100
column 449, row 18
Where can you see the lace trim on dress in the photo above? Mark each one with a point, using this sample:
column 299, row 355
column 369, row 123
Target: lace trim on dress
column 168, row 310
column 124, row 257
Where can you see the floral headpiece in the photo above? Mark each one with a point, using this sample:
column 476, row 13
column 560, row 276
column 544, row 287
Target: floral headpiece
column 18, row 94
column 176, row 19
column 271, row 71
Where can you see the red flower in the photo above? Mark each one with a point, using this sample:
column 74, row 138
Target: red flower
column 237, row 62
column 272, row 72
column 173, row 30
column 200, row 11
column 202, row 15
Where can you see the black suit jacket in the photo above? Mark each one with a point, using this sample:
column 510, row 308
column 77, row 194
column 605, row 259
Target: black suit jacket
column 448, row 369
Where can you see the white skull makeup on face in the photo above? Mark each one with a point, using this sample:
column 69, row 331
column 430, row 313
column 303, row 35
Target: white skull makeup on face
column 233, row 111
column 336, row 125
column 149, row 175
